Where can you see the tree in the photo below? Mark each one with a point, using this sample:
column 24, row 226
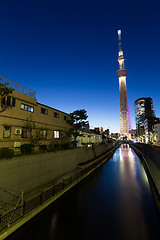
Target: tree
column 35, row 134
column 78, row 119
column 4, row 91
column 64, row 140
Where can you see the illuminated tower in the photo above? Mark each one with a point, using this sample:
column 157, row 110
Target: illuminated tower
column 125, row 123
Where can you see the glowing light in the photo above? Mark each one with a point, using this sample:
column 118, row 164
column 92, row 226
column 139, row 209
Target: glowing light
column 125, row 121
column 119, row 32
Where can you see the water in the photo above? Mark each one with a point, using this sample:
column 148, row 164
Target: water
column 115, row 202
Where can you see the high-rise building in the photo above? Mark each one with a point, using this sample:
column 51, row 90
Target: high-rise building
column 143, row 110
column 125, row 123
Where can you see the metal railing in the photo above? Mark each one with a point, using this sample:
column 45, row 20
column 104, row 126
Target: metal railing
column 18, row 87
column 8, row 199
column 24, row 207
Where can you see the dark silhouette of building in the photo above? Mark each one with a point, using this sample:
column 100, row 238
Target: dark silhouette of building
column 149, row 122
column 143, row 110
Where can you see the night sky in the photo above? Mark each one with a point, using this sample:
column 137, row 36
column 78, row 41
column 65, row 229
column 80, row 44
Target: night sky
column 67, row 52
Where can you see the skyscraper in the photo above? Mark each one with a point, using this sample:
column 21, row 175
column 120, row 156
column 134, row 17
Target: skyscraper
column 125, row 124
column 143, row 110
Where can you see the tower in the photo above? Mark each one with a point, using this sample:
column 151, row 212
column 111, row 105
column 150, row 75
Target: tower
column 125, row 124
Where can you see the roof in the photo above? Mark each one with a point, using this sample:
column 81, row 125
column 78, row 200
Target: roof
column 53, row 108
column 88, row 131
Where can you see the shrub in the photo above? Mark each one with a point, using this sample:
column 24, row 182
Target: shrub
column 57, row 146
column 43, row 148
column 51, row 148
column 6, row 153
column 26, row 148
column 65, row 146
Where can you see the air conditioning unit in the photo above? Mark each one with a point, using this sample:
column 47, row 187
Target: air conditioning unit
column 17, row 144
column 18, row 131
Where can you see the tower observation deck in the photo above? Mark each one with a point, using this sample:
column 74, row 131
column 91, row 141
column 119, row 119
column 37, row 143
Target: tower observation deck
column 125, row 123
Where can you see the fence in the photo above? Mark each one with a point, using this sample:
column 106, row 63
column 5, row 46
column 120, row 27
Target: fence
column 9, row 217
column 18, row 87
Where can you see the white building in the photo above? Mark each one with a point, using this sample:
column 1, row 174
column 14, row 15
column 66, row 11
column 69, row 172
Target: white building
column 87, row 138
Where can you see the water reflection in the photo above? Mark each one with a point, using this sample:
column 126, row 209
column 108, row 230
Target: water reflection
column 130, row 207
column 130, row 164
column 115, row 202
column 127, row 161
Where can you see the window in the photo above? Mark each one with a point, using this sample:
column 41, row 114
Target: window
column 56, row 134
column 8, row 101
column 7, row 132
column 27, row 108
column 44, row 111
column 65, row 117
column 3, row 101
column 56, row 115
column 43, row 133
column 24, row 132
column 13, row 102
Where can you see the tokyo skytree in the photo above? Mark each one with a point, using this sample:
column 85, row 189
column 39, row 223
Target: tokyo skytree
column 125, row 123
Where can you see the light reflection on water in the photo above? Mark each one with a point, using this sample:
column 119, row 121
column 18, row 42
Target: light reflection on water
column 115, row 202
column 130, row 209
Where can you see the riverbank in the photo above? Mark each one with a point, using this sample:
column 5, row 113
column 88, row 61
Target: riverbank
column 151, row 161
column 29, row 172
column 31, row 207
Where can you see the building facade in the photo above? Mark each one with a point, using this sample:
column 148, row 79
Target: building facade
column 156, row 134
column 23, row 115
column 143, row 110
column 125, row 123
column 87, row 138
column 98, row 130
column 133, row 133
column 149, row 122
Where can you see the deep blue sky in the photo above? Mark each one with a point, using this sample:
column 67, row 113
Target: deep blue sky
column 67, row 52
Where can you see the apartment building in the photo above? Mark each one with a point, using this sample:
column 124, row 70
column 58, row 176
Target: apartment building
column 22, row 109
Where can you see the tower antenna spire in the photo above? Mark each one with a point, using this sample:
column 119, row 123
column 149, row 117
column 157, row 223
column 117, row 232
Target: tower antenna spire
column 119, row 36
column 125, row 124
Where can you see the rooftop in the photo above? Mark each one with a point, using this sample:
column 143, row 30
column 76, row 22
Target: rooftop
column 18, row 87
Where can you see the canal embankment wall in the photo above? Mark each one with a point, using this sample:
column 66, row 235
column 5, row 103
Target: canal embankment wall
column 151, row 159
column 27, row 208
column 29, row 172
column 151, row 153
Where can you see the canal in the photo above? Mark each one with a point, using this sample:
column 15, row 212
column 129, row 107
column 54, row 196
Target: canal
column 114, row 202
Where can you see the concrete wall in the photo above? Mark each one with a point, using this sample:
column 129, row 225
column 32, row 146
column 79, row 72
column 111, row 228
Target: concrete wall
column 149, row 153
column 30, row 172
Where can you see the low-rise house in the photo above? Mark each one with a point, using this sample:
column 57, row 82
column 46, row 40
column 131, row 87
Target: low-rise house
column 24, row 116
column 115, row 135
column 87, row 138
